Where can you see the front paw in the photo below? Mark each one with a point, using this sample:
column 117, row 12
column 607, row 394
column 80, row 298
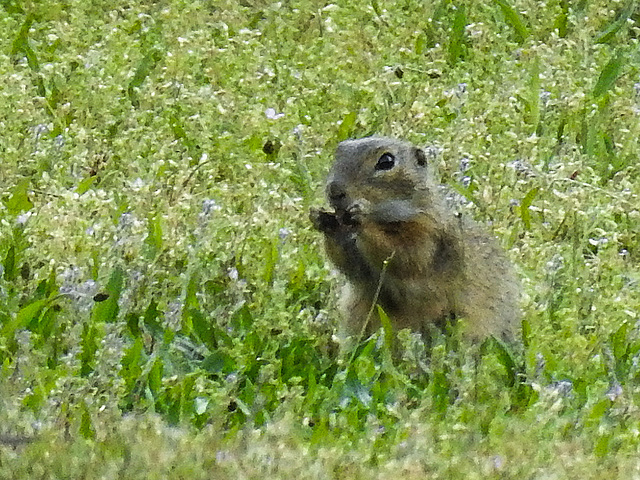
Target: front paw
column 323, row 220
column 352, row 216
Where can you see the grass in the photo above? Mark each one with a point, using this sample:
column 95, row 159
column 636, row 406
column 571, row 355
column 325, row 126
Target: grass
column 166, row 310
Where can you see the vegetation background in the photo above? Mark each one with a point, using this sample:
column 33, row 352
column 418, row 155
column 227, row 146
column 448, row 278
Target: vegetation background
column 165, row 308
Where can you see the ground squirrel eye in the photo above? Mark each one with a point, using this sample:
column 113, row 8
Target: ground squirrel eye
column 386, row 162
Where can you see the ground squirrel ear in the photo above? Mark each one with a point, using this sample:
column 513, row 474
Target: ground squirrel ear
column 421, row 157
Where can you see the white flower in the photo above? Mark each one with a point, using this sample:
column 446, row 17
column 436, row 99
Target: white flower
column 271, row 114
column 22, row 219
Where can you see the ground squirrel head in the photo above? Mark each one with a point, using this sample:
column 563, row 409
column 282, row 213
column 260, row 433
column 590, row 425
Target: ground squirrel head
column 373, row 171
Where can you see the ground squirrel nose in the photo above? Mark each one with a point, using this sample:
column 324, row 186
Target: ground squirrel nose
column 337, row 194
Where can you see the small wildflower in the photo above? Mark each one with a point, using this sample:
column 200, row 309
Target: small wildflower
column 126, row 221
column 555, row 263
column 614, row 391
column 137, row 184
column 464, row 164
column 39, row 130
column 208, row 207
column 22, row 219
column 271, row 114
column 222, row 456
column 82, row 293
column 233, row 274
column 432, row 152
column 563, row 388
column 521, row 167
column 598, row 241
column 283, row 233
column 545, row 97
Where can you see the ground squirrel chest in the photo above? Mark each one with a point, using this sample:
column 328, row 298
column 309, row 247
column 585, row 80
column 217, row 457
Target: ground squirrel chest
column 387, row 209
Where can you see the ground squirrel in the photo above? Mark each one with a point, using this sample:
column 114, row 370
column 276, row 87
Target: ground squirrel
column 440, row 264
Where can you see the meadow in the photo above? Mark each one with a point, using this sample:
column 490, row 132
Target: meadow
column 167, row 311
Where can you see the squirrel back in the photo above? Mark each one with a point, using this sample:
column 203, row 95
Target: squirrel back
column 400, row 242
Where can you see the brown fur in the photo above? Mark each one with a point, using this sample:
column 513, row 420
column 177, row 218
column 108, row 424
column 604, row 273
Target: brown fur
column 439, row 264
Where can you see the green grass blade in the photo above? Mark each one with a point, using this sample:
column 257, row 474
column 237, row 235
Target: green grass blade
column 609, row 74
column 614, row 27
column 456, row 39
column 514, row 20
column 524, row 207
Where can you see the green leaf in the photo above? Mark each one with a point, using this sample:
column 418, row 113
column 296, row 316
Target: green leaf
column 346, row 127
column 19, row 201
column 154, row 378
column 89, row 345
column 85, row 184
column 456, row 38
column 174, row 404
column 562, row 20
column 219, row 362
column 526, row 333
column 154, row 236
column 12, row 6
column 514, row 20
column 524, row 207
column 270, row 261
column 150, row 319
column 619, row 343
column 132, row 364
column 602, row 445
column 21, row 43
column 190, row 302
column 25, row 315
column 440, row 392
column 28, row 313
column 609, row 74
column 419, row 44
column 9, row 264
column 180, row 133
column 614, row 27
column 133, row 324
column 144, row 68
column 107, row 311
column 598, row 410
column 202, row 329
column 504, row 356
column 86, row 426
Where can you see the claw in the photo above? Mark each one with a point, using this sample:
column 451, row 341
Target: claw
column 352, row 216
